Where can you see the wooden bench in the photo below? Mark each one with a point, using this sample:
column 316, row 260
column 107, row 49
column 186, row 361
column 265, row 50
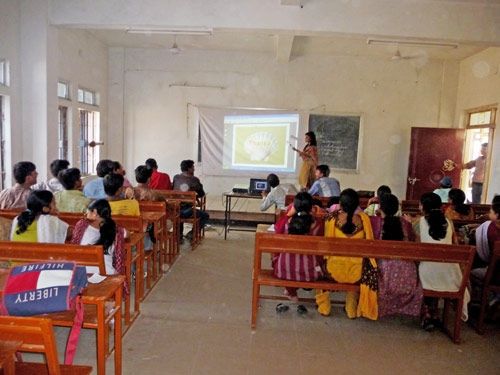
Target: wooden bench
column 189, row 197
column 36, row 335
column 97, row 312
column 363, row 201
column 156, row 213
column 412, row 207
column 490, row 283
column 321, row 246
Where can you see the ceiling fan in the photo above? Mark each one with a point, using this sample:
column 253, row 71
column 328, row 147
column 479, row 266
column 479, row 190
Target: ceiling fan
column 175, row 50
column 398, row 56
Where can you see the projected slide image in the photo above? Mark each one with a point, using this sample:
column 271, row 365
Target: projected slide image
column 260, row 145
column 260, row 142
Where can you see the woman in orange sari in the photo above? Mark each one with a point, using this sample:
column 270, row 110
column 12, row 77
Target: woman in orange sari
column 309, row 157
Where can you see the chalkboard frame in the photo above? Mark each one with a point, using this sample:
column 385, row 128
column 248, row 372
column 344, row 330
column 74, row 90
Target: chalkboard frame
column 355, row 170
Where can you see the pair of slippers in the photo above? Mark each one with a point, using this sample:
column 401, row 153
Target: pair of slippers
column 281, row 308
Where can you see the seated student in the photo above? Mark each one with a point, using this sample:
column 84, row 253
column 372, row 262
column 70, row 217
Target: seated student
column 324, row 186
column 317, row 226
column 142, row 192
column 95, row 189
column 276, row 196
column 98, row 228
column 71, row 199
column 159, row 180
column 486, row 235
column 38, row 222
column 113, row 187
column 458, row 210
column 345, row 223
column 118, row 168
column 434, row 227
column 399, row 289
column 297, row 267
column 444, row 188
column 186, row 181
column 25, row 174
column 53, row 185
column 373, row 203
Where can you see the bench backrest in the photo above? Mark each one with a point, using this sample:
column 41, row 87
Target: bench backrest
column 36, row 335
column 184, row 197
column 321, row 246
column 84, row 255
column 130, row 223
column 152, row 206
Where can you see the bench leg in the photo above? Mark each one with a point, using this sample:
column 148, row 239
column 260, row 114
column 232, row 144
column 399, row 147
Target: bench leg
column 458, row 321
column 118, row 333
column 101, row 340
column 255, row 302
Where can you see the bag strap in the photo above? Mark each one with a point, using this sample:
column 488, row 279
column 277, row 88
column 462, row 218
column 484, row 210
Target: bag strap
column 74, row 334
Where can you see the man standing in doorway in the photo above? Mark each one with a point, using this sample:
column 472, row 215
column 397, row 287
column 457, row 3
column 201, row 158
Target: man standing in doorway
column 479, row 173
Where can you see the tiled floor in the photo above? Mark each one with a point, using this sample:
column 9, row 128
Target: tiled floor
column 197, row 321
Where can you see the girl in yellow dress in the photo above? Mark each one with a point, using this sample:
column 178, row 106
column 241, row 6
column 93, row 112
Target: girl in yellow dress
column 348, row 222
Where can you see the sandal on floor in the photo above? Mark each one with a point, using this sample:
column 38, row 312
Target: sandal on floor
column 301, row 310
column 281, row 308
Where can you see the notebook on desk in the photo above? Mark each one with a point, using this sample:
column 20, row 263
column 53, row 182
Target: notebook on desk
column 257, row 186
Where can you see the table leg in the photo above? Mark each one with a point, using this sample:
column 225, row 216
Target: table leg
column 227, row 215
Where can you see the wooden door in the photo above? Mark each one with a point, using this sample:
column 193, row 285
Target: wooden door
column 433, row 154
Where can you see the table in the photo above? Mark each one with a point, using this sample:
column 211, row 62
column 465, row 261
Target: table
column 227, row 212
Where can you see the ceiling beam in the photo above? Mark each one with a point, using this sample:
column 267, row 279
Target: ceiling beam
column 292, row 2
column 284, row 45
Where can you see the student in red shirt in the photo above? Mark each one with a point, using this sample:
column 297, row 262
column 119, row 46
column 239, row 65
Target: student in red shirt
column 159, row 180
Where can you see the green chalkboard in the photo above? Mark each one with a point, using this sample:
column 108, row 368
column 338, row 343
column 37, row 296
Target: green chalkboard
column 338, row 140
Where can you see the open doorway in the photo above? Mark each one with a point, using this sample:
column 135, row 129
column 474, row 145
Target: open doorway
column 479, row 131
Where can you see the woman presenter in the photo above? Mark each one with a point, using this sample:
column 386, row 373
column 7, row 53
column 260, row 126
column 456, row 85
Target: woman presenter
column 309, row 157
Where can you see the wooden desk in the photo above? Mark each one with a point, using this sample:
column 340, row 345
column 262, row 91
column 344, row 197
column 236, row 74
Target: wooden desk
column 227, row 211
column 96, row 316
column 8, row 350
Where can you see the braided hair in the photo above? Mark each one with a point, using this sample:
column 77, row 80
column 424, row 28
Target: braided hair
column 107, row 229
column 38, row 200
column 392, row 228
column 349, row 202
column 431, row 205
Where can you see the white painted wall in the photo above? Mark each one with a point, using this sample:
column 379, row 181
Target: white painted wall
column 83, row 62
column 39, row 55
column 392, row 96
column 479, row 85
column 10, row 50
column 452, row 20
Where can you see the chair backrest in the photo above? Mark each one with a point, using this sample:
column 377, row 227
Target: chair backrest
column 22, row 252
column 36, row 335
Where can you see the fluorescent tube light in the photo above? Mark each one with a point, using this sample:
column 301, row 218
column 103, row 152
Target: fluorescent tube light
column 174, row 31
column 410, row 42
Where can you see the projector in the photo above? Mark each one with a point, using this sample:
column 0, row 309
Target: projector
column 240, row 189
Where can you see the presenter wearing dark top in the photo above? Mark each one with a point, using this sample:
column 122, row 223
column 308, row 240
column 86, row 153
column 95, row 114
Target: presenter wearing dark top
column 479, row 173
column 309, row 157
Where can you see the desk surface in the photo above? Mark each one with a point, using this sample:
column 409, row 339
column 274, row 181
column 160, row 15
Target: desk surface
column 243, row 195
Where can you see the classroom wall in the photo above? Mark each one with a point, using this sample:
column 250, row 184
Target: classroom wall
column 391, row 96
column 39, row 55
column 479, row 85
column 83, row 62
column 10, row 50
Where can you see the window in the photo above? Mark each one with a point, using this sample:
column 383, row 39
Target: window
column 63, row 90
column 4, row 73
column 2, row 143
column 63, row 133
column 89, row 141
column 482, row 118
column 88, row 97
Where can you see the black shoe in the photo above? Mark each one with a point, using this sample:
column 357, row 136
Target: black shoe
column 281, row 308
column 301, row 310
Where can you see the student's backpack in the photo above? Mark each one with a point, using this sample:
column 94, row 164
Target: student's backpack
column 47, row 287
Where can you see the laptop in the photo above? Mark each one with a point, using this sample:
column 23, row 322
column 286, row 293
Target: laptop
column 257, row 186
